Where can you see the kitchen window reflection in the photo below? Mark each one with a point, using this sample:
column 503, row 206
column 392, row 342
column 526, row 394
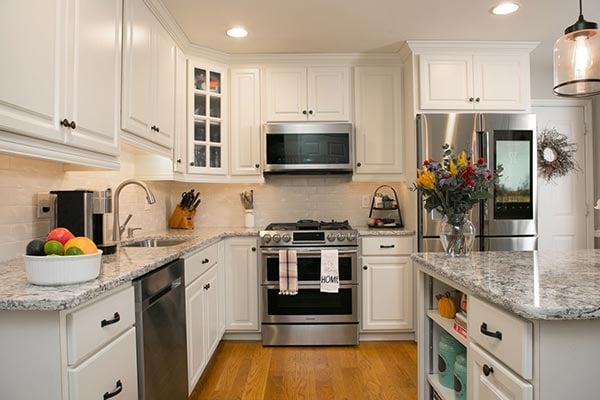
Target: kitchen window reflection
column 200, row 130
column 215, row 132
column 199, row 155
column 215, row 107
column 200, row 105
column 215, row 157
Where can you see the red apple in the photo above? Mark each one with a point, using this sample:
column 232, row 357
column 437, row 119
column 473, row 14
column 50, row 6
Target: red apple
column 62, row 235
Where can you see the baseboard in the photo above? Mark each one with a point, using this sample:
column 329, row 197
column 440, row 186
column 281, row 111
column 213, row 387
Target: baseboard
column 242, row 336
column 379, row 336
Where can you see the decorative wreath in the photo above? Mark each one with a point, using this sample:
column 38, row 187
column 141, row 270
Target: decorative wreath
column 556, row 156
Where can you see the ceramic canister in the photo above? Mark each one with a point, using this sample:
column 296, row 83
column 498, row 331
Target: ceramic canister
column 449, row 348
column 460, row 377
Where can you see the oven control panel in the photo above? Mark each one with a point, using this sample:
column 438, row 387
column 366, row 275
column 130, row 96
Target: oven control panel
column 299, row 238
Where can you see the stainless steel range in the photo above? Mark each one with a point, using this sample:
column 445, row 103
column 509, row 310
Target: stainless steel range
column 310, row 317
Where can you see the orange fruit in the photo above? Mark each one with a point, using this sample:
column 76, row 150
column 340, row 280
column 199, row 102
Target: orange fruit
column 53, row 247
column 85, row 244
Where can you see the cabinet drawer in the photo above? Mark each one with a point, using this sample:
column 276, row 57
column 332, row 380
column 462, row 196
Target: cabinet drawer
column 506, row 336
column 387, row 245
column 113, row 369
column 91, row 327
column 488, row 379
column 198, row 263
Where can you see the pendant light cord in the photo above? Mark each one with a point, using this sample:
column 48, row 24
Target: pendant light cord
column 580, row 9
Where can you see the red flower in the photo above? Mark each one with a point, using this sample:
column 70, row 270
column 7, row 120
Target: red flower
column 480, row 161
column 426, row 162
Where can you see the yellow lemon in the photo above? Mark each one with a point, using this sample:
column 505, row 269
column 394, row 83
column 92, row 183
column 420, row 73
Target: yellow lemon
column 85, row 244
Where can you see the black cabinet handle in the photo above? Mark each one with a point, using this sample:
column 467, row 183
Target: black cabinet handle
column 207, row 286
column 206, row 260
column 118, row 389
column 358, row 164
column 487, row 370
column 116, row 318
column 304, row 112
column 73, row 125
column 387, row 246
column 65, row 122
column 254, row 249
column 365, row 267
column 483, row 329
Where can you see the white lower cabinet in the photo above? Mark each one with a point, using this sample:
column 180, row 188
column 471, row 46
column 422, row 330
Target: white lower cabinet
column 387, row 284
column 241, row 284
column 488, row 379
column 109, row 373
column 202, row 311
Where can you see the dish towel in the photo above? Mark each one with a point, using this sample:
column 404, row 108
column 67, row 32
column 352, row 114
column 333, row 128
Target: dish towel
column 288, row 272
column 330, row 275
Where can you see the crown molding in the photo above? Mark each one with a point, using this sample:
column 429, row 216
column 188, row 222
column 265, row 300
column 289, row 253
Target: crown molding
column 423, row 46
column 168, row 22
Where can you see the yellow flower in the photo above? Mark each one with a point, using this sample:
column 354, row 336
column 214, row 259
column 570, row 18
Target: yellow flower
column 425, row 179
column 462, row 159
column 453, row 169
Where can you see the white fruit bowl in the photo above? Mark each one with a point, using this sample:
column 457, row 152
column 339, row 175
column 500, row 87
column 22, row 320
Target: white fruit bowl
column 62, row 270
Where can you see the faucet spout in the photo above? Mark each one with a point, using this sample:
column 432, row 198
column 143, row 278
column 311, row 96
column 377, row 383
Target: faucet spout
column 149, row 198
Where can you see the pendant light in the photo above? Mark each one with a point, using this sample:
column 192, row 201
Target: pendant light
column 577, row 60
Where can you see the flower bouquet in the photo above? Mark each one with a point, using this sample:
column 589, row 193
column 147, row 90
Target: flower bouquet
column 452, row 187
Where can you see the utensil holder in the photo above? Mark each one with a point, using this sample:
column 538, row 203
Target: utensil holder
column 182, row 219
column 249, row 218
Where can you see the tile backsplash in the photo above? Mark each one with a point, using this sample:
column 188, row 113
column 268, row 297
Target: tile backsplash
column 280, row 198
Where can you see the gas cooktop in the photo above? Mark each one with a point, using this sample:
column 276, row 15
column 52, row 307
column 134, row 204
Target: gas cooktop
column 307, row 232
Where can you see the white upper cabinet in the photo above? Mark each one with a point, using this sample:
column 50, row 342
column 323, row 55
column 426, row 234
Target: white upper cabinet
column 207, row 129
column 245, row 121
column 70, row 94
column 148, row 76
column 313, row 94
column 461, row 81
column 378, row 121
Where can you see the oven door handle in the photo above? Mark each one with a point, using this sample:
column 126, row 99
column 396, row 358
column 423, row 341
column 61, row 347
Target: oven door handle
column 303, row 252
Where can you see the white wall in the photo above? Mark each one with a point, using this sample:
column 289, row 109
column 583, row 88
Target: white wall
column 282, row 198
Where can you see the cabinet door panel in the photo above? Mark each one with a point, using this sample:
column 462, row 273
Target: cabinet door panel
column 328, row 94
column 286, row 94
column 245, row 122
column 387, row 293
column 379, row 139
column 95, row 74
column 446, row 82
column 241, row 280
column 138, row 72
column 499, row 82
column 211, row 295
column 196, row 342
column 165, row 99
column 32, row 82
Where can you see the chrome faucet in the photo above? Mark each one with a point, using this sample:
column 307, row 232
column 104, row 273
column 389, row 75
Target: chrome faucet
column 117, row 229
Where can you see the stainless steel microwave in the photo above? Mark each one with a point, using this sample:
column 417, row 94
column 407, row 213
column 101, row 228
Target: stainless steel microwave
column 307, row 147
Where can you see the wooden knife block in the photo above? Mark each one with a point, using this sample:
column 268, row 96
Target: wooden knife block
column 182, row 219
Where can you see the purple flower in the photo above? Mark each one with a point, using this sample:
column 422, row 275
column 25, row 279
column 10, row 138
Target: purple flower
column 442, row 181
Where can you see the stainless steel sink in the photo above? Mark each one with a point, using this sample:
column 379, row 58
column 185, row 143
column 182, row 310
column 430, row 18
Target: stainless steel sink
column 154, row 243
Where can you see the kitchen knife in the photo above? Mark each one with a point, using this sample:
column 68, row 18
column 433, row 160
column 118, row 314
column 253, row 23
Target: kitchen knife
column 196, row 204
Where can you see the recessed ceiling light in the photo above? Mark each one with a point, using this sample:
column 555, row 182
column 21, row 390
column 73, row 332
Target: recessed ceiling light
column 237, row 32
column 505, row 8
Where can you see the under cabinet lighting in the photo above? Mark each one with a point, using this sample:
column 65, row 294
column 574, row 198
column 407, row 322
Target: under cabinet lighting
column 505, row 8
column 237, row 32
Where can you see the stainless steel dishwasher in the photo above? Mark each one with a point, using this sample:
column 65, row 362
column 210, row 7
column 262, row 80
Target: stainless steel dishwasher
column 161, row 333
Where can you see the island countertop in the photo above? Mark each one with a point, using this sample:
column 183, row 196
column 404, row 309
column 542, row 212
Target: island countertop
column 533, row 284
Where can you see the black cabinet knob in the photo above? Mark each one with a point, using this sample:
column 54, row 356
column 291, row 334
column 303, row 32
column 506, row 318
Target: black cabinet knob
column 487, row 370
column 179, row 161
column 65, row 122
column 358, row 164
column 192, row 163
column 256, row 165
column 471, row 99
column 477, row 100
column 205, row 261
column 310, row 112
column 254, row 249
column 304, row 112
column 157, row 129
column 365, row 267
column 207, row 286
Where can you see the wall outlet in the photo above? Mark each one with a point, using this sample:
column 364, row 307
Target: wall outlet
column 45, row 205
column 366, row 201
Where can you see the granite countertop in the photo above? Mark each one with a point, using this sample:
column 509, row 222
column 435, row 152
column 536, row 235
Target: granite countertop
column 128, row 263
column 533, row 284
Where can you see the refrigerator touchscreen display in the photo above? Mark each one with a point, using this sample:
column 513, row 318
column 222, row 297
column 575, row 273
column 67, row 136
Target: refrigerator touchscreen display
column 513, row 195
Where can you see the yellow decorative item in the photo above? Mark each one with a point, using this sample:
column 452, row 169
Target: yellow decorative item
column 446, row 306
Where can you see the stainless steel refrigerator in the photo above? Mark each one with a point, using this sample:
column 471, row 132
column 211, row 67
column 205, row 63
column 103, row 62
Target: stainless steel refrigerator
column 507, row 221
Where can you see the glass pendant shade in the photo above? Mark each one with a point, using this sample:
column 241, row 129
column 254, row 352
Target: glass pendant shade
column 577, row 60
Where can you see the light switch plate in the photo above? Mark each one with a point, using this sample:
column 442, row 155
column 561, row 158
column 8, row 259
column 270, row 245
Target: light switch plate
column 45, row 205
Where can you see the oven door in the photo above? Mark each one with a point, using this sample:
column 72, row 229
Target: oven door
column 309, row 266
column 310, row 305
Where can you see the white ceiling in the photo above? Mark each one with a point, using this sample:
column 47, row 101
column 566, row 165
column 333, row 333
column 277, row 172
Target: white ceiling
column 348, row 26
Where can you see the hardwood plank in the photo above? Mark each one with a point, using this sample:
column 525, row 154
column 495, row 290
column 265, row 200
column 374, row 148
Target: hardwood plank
column 372, row 370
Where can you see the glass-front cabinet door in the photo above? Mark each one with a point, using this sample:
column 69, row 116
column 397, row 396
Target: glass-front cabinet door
column 207, row 108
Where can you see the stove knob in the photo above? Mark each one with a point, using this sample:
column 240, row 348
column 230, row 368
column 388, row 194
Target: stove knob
column 276, row 237
column 267, row 238
column 331, row 237
column 286, row 238
column 350, row 236
column 341, row 237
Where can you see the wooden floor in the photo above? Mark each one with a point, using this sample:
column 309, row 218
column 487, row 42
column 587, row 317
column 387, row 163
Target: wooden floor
column 369, row 371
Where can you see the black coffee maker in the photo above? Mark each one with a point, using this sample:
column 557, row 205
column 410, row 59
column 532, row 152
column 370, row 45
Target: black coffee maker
column 83, row 213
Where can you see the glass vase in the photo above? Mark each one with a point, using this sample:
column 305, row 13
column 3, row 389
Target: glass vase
column 457, row 234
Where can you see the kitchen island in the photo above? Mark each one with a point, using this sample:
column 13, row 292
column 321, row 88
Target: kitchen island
column 532, row 323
